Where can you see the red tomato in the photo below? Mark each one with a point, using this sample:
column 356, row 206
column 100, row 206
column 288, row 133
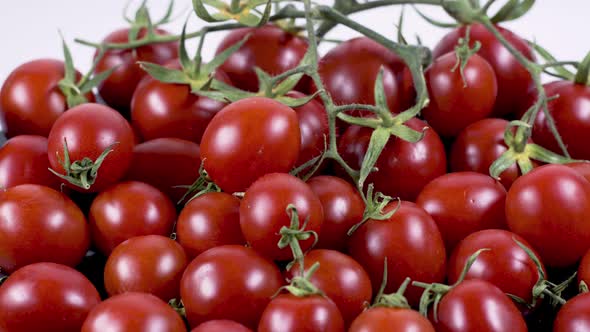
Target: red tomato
column 463, row 203
column 582, row 167
column 31, row 99
column 228, row 282
column 133, row 312
column 584, row 269
column 380, row 319
column 270, row 48
column 550, row 208
column 574, row 316
column 513, row 79
column 46, row 297
column 209, row 221
column 221, row 326
column 126, row 210
column 411, row 243
column 250, row 138
column 39, row 224
column 313, row 124
column 263, row 213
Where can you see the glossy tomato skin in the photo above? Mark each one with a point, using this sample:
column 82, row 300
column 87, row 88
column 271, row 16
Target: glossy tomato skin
column 574, row 316
column 269, row 47
column 549, row 207
column 313, row 124
column 46, row 297
column 31, row 99
column 117, row 90
column 341, row 278
column 133, row 312
column 513, row 79
column 219, row 284
column 584, row 269
column 289, row 313
column 126, row 210
column 390, row 319
column 455, row 103
column 263, row 212
column 23, row 160
column 463, row 203
column 582, row 167
column 404, row 168
column 209, row 221
column 166, row 163
column 89, row 129
column 409, row 240
column 221, row 325
column 343, row 208
column 39, row 224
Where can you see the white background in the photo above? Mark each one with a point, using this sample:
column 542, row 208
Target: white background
column 29, row 28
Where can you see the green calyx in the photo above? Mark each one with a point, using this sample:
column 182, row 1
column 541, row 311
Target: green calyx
column 395, row 300
column 202, row 185
column 243, row 11
column 290, row 236
column 463, row 52
column 583, row 71
column 470, row 11
column 178, row 306
column 301, row 286
column 143, row 20
column 375, row 203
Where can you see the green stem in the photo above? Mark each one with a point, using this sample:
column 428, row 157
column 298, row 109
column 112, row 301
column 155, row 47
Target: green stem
column 583, row 71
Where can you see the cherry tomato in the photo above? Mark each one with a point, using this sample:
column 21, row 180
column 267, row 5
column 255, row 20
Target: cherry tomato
column 221, row 326
column 289, row 313
column 313, row 124
column 263, row 212
column 39, row 224
column 228, row 282
column 582, row 167
column 46, row 297
column 380, row 319
column 343, row 208
column 404, row 168
column 23, row 160
column 550, row 208
column 269, row 47
column 133, row 312
column 411, row 243
column 117, row 90
column 31, row 99
column 209, row 221
column 513, row 79
column 463, row 203
column 250, row 138
column 584, row 269
column 126, row 210
column 574, row 316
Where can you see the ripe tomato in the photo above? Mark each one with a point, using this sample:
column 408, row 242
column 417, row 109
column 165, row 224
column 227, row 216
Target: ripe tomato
column 221, row 326
column 31, row 99
column 46, row 297
column 263, row 213
column 126, row 210
column 411, row 243
column 550, row 208
column 463, row 203
column 289, row 313
column 404, row 168
column 584, row 269
column 313, row 124
column 250, row 138
column 228, row 282
column 117, row 90
column 209, row 221
column 133, row 312
column 582, row 167
column 270, row 48
column 39, row 224
column 574, row 316
column 380, row 319
column 513, row 79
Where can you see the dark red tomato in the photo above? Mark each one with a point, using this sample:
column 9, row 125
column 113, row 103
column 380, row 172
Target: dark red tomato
column 381, row 319
column 550, row 207
column 411, row 243
column 23, row 160
column 133, row 312
column 229, row 282
column 126, row 210
column 263, row 212
column 477, row 305
column 404, row 168
column 208, row 221
column 582, row 167
column 574, row 316
column 506, row 265
column 31, row 99
column 341, row 278
column 166, row 163
column 289, row 313
column 343, row 208
column 221, row 326
column 89, row 129
column 39, row 224
column 463, row 203
column 313, row 124
column 584, row 270
column 117, row 90
column 513, row 79
column 250, row 138
column 270, row 48
column 147, row 264
column 456, row 103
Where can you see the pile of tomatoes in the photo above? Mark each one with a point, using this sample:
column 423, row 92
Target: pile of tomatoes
column 101, row 229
